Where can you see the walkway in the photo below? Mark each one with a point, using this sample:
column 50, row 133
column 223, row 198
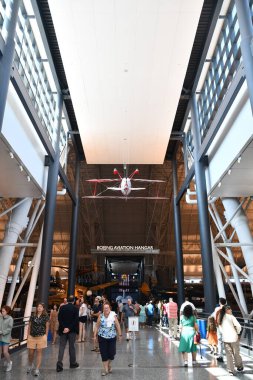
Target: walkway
column 156, row 359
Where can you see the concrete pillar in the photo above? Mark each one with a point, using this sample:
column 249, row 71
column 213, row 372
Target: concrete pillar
column 241, row 226
column 16, row 224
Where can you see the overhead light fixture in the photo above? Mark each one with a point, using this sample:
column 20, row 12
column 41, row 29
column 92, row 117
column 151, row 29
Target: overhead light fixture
column 219, row 184
column 239, row 159
column 28, row 178
column 11, row 155
column 21, row 168
column 229, row 172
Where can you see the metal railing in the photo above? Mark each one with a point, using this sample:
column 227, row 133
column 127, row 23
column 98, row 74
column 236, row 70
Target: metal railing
column 222, row 69
column 17, row 334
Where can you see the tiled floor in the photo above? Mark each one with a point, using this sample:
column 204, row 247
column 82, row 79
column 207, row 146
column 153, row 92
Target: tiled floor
column 156, row 358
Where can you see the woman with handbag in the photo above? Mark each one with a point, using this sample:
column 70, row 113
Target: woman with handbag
column 188, row 328
column 106, row 331
column 231, row 329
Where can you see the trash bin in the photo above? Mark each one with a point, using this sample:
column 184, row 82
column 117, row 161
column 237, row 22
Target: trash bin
column 202, row 323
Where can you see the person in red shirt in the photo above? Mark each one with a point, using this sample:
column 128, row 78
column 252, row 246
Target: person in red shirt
column 172, row 310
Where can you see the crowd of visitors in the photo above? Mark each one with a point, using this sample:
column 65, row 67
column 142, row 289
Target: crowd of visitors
column 108, row 319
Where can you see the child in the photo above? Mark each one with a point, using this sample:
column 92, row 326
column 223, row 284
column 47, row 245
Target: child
column 6, row 324
column 211, row 334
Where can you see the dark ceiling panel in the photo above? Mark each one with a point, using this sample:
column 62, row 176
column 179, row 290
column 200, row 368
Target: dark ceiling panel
column 205, row 21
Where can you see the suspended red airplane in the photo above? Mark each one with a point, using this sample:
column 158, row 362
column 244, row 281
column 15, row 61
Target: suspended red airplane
column 125, row 186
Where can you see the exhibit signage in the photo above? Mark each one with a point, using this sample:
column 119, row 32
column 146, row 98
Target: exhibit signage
column 126, row 249
column 133, row 324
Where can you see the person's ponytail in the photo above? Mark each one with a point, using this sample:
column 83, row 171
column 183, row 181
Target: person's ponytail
column 221, row 315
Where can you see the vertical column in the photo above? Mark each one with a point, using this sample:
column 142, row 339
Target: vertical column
column 16, row 224
column 48, row 232
column 178, row 237
column 246, row 31
column 241, row 225
column 74, row 234
column 7, row 59
column 204, row 226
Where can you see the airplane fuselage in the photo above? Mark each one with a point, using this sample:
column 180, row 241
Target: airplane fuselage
column 125, row 186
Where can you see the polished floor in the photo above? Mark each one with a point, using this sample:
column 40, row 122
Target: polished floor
column 156, row 358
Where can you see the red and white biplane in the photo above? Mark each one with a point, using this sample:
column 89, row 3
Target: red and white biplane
column 124, row 186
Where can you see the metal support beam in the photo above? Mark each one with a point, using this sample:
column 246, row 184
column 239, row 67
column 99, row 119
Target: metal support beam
column 178, row 238
column 235, row 245
column 18, row 245
column 7, row 59
column 218, row 119
column 48, row 231
column 12, row 208
column 246, row 32
column 186, row 183
column 74, row 234
column 40, row 130
column 230, row 219
column 204, row 226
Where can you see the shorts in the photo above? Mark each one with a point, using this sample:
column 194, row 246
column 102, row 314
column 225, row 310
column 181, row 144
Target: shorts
column 4, row 344
column 94, row 324
column 39, row 342
column 83, row 319
column 126, row 322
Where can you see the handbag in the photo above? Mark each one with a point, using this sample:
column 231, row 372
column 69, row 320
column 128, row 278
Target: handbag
column 197, row 338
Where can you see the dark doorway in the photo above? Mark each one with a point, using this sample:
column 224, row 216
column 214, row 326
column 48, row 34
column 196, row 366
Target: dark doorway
column 129, row 271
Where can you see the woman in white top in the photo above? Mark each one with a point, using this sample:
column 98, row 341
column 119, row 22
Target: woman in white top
column 82, row 320
column 230, row 329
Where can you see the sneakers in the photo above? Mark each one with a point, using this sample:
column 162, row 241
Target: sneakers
column 185, row 363
column 194, row 362
column 8, row 367
column 240, row 369
column 220, row 359
column 231, row 373
column 36, row 372
column 30, row 369
column 75, row 365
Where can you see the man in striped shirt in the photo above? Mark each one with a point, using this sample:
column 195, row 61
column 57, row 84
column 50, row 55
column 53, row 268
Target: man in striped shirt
column 172, row 310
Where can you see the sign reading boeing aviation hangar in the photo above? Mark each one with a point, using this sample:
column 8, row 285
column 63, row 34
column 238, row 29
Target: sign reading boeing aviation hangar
column 134, row 249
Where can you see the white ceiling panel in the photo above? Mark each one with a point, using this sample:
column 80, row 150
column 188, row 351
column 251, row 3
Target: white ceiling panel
column 125, row 62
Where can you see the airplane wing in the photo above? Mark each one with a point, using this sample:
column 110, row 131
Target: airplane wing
column 102, row 180
column 147, row 180
column 119, row 189
column 103, row 286
column 125, row 198
column 114, row 188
